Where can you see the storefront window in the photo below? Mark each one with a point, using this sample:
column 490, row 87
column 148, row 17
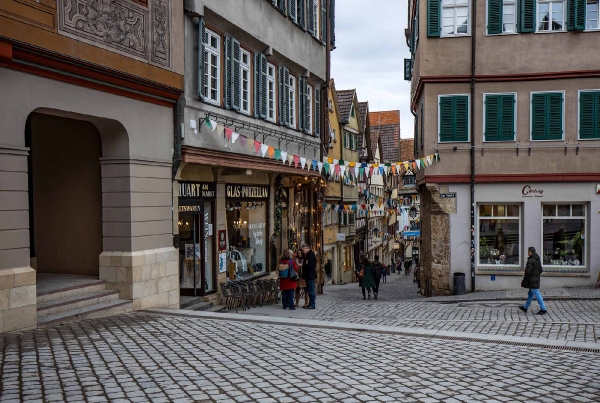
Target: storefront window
column 563, row 232
column 247, row 229
column 499, row 234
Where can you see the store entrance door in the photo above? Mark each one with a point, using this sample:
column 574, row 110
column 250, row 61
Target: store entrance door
column 195, row 250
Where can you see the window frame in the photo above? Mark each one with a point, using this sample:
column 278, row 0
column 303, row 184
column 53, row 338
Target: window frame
column 245, row 68
column 309, row 109
column 487, row 6
column 531, row 114
column 579, row 111
column 478, row 234
column 597, row 16
column 271, row 79
column 571, row 217
column 346, row 139
column 469, row 117
column 317, row 21
column 217, row 53
column 515, row 110
column 291, row 88
column 442, row 34
column 564, row 14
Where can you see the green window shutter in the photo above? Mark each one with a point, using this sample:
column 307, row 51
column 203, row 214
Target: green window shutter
column 286, row 95
column 257, row 86
column 538, row 117
column 345, row 140
column 507, row 118
column 576, row 15
column 281, row 4
column 301, row 21
column 446, row 117
column 310, row 5
column 589, row 115
column 301, row 103
column 202, row 37
column 292, row 12
column 433, row 18
column 282, row 97
column 317, row 112
column 492, row 118
column 461, row 116
column 324, row 22
column 555, row 116
column 351, row 141
column 236, row 85
column 526, row 15
column 263, row 86
column 228, row 72
column 494, row 17
column 422, row 125
column 416, row 137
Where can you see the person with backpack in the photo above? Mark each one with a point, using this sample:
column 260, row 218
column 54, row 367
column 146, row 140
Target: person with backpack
column 377, row 273
column 365, row 276
column 288, row 274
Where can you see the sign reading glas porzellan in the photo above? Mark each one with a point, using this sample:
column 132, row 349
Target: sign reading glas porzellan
column 256, row 192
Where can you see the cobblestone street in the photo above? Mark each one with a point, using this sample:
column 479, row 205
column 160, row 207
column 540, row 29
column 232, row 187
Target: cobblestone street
column 143, row 357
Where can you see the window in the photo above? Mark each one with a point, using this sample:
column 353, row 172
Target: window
column 591, row 14
column 564, row 234
column 502, row 16
column 547, row 116
column 270, row 92
column 245, row 81
column 211, row 67
column 351, row 147
column 499, row 234
column 331, row 136
column 316, row 20
column 292, row 100
column 550, row 16
column 346, row 140
column 589, row 115
column 309, row 109
column 330, row 105
column 455, row 17
column 409, row 180
column 352, row 110
column 453, row 118
column 499, row 119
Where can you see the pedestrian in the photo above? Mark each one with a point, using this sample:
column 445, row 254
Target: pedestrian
column 531, row 280
column 365, row 276
column 309, row 273
column 383, row 274
column 400, row 266
column 418, row 277
column 377, row 273
column 407, row 265
column 288, row 285
column 301, row 283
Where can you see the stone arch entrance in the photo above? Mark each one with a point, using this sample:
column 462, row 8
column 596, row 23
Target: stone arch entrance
column 66, row 188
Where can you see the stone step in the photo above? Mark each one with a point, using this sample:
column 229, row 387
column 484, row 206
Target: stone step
column 217, row 308
column 88, row 312
column 200, row 306
column 56, row 306
column 68, row 286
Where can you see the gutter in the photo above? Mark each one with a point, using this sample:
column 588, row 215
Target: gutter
column 472, row 130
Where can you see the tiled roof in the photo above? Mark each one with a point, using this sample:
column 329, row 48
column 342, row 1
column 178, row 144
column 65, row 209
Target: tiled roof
column 387, row 126
column 407, row 149
column 345, row 98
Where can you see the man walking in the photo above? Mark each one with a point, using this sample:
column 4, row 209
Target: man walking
column 309, row 273
column 533, row 272
column 377, row 273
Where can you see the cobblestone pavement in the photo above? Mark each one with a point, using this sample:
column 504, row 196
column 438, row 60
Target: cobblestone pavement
column 399, row 304
column 141, row 357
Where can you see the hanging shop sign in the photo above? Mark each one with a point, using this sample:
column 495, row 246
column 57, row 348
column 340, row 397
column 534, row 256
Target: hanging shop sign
column 197, row 190
column 247, row 192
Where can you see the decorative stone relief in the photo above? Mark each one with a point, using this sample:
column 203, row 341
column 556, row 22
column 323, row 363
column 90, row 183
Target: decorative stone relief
column 122, row 26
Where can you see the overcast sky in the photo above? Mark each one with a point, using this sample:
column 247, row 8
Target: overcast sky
column 369, row 55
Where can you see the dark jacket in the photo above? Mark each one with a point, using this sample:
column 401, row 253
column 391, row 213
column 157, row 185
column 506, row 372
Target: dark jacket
column 368, row 281
column 377, row 269
column 309, row 266
column 533, row 271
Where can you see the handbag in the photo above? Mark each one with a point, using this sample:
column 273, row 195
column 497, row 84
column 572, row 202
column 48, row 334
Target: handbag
column 292, row 275
column 361, row 273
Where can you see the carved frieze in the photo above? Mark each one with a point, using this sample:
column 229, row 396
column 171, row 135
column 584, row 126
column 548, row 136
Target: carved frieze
column 122, row 26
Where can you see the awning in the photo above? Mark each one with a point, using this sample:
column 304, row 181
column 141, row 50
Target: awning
column 411, row 233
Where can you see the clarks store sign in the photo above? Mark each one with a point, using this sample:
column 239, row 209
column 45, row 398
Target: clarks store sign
column 247, row 192
column 197, row 190
column 529, row 191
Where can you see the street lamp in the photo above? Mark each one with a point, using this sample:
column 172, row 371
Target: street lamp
column 412, row 212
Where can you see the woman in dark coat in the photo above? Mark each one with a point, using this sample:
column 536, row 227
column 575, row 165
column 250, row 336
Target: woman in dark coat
column 367, row 280
column 287, row 285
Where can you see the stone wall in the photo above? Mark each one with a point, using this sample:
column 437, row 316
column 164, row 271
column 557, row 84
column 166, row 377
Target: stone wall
column 18, row 308
column 150, row 278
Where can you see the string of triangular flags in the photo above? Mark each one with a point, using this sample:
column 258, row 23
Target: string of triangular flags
column 366, row 208
column 348, row 169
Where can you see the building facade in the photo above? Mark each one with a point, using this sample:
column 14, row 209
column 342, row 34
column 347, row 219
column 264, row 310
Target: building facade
column 517, row 131
column 86, row 148
column 375, row 194
column 253, row 122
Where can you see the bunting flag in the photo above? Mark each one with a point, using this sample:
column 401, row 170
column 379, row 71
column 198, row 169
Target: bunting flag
column 320, row 165
column 296, row 161
column 234, row 137
column 220, row 130
column 257, row 146
column 314, row 166
column 228, row 133
column 270, row 151
column 290, row 159
column 283, row 156
column 302, row 162
column 277, row 155
column 243, row 140
column 212, row 125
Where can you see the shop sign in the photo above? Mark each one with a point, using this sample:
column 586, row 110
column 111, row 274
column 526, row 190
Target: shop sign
column 448, row 195
column 222, row 262
column 529, row 191
column 341, row 237
column 247, row 192
column 256, row 231
column 190, row 209
column 222, row 240
column 197, row 190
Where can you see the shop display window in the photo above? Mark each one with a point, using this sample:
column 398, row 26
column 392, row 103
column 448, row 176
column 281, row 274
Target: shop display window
column 563, row 232
column 499, row 238
column 248, row 239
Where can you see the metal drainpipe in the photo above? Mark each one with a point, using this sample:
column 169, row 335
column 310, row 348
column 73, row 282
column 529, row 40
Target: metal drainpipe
column 473, row 51
column 178, row 130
